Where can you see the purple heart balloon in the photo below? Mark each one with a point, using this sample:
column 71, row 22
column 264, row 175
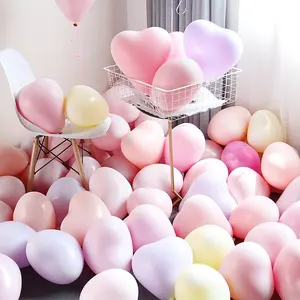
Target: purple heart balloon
column 214, row 48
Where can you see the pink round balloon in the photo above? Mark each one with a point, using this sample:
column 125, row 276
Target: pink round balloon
column 287, row 271
column 252, row 212
column 100, row 155
column 6, row 213
column 143, row 146
column 291, row 217
column 106, row 285
column 252, row 262
column 188, row 146
column 272, row 236
column 46, row 176
column 113, row 188
column 11, row 190
column 120, row 163
column 206, row 165
column 152, row 196
column 280, row 165
column 111, row 141
column 108, row 245
column 41, row 103
column 198, row 211
column 212, row 150
column 143, row 117
column 243, row 182
column 10, row 279
column 239, row 154
column 177, row 49
column 57, row 145
column 158, row 176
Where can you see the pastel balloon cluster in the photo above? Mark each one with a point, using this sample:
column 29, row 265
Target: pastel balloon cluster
column 204, row 52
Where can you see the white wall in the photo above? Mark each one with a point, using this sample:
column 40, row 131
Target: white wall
column 42, row 34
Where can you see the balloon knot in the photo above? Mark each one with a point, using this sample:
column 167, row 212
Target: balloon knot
column 75, row 24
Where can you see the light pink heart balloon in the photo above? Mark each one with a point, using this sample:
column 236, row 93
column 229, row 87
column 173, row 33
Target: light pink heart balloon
column 188, row 146
column 177, row 50
column 11, row 190
column 291, row 217
column 139, row 54
column 172, row 75
column 244, row 182
column 148, row 224
column 41, row 103
column 75, row 10
column 254, row 278
column 197, row 211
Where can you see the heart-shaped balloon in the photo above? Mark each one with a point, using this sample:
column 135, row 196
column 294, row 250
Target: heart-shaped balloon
column 214, row 48
column 197, row 211
column 158, row 265
column 41, row 103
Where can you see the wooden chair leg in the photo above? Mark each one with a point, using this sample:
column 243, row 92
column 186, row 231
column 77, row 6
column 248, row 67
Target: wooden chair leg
column 32, row 164
column 79, row 164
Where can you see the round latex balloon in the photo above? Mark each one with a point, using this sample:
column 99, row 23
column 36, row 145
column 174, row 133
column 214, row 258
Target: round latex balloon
column 113, row 188
column 244, row 283
column 10, row 279
column 11, row 190
column 158, row 176
column 148, row 224
column 197, row 211
column 239, row 154
column 143, row 146
column 13, row 240
column 35, row 210
column 252, row 212
column 6, row 213
column 280, row 165
column 143, row 117
column 173, row 75
column 60, row 194
column 201, row 282
column 243, row 182
column 85, row 107
column 188, row 146
column 291, row 217
column 108, row 245
column 59, row 148
column 41, row 103
column 210, row 244
column 264, row 129
column 111, row 284
column 111, row 141
column 228, row 125
column 63, row 254
column 212, row 150
column 272, row 236
column 177, row 49
column 158, row 265
column 152, row 196
column 287, row 271
column 85, row 209
column 206, row 165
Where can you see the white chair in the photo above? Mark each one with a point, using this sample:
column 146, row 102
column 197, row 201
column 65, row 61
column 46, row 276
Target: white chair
column 19, row 74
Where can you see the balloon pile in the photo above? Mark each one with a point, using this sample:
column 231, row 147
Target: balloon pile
column 228, row 239
column 169, row 62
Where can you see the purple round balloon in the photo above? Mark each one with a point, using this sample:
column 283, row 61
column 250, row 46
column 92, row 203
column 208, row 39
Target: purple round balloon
column 214, row 48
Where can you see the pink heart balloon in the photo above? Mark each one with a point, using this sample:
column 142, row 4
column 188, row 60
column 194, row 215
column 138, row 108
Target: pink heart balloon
column 206, row 165
column 272, row 236
column 291, row 217
column 252, row 212
column 214, row 48
column 108, row 245
column 287, row 271
column 11, row 190
column 158, row 265
column 171, row 76
column 75, row 10
column 139, row 54
column 243, row 182
column 188, row 146
column 41, row 103
column 177, row 49
column 113, row 188
column 254, row 278
column 148, row 224
column 158, row 176
column 143, row 146
column 212, row 150
column 197, row 211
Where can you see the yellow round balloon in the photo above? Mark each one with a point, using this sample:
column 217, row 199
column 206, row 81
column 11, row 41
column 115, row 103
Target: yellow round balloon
column 201, row 282
column 85, row 107
column 210, row 244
